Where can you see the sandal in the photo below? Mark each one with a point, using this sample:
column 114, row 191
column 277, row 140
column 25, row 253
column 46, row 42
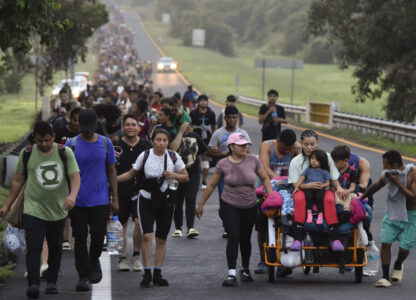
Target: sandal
column 397, row 275
column 383, row 282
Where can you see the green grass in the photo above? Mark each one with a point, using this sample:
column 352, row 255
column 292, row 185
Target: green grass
column 215, row 74
column 17, row 111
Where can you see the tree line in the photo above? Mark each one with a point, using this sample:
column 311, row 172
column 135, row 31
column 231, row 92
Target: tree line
column 54, row 32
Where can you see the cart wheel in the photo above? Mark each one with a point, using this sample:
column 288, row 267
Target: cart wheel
column 306, row 270
column 270, row 273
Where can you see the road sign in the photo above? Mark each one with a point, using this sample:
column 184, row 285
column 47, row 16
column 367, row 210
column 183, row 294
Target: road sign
column 278, row 64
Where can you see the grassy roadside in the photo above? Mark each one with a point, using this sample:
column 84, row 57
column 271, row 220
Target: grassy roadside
column 17, row 111
column 214, row 74
column 6, row 266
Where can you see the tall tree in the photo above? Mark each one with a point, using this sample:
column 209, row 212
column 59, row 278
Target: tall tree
column 378, row 39
column 21, row 18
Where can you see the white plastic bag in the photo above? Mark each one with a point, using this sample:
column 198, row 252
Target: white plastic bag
column 14, row 240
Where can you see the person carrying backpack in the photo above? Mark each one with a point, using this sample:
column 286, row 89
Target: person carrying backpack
column 159, row 171
column 48, row 170
column 96, row 160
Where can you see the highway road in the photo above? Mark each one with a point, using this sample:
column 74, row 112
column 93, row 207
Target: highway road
column 196, row 268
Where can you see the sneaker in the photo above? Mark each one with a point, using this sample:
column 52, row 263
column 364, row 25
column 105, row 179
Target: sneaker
column 296, row 246
column 158, row 280
column 261, row 268
column 245, row 275
column 203, row 186
column 51, row 289
column 192, row 232
column 123, row 265
column 33, row 291
column 177, row 233
column 66, row 246
column 44, row 271
column 147, row 279
column 95, row 273
column 337, row 246
column 137, row 265
column 225, row 235
column 82, row 285
column 230, row 281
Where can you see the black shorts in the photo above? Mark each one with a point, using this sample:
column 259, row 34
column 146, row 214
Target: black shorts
column 127, row 208
column 162, row 215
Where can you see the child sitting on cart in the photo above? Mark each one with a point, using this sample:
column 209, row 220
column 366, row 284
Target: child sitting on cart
column 317, row 177
column 348, row 180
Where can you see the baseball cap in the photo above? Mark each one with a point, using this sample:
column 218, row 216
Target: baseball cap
column 238, row 139
column 87, row 120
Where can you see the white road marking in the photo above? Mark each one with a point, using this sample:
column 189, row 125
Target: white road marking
column 102, row 290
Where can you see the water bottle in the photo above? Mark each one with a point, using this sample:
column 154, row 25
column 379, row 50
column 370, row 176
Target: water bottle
column 373, row 256
column 114, row 236
column 307, row 242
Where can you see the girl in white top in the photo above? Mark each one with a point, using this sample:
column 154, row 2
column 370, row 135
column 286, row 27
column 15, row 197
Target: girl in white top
column 156, row 200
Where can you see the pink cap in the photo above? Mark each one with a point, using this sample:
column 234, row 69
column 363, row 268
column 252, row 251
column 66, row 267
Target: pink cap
column 238, row 139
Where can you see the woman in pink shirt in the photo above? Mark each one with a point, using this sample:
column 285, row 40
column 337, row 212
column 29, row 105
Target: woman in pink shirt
column 238, row 202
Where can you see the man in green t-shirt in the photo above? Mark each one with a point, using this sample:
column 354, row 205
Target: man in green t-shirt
column 47, row 199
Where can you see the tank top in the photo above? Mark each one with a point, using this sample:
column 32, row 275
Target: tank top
column 279, row 165
column 396, row 200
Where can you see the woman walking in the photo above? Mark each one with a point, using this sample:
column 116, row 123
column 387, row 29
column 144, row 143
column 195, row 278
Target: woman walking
column 159, row 172
column 238, row 202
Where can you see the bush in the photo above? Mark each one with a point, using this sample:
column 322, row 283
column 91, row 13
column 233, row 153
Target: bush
column 318, row 51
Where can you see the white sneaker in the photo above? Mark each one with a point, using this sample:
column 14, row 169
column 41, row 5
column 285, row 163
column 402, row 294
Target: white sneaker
column 177, row 233
column 192, row 232
column 137, row 265
column 123, row 265
column 203, row 186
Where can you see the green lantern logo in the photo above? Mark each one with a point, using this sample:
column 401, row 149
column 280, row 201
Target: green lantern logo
column 49, row 174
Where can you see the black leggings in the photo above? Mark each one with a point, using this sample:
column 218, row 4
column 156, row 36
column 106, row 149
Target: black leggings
column 187, row 192
column 314, row 196
column 239, row 225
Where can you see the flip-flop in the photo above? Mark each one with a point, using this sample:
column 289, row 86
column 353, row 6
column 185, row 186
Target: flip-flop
column 383, row 282
column 397, row 275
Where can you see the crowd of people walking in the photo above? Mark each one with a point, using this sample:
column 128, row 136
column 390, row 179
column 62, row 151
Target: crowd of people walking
column 123, row 147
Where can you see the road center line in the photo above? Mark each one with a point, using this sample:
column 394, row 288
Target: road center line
column 102, row 290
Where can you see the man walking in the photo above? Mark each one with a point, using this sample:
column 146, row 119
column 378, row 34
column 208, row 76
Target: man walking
column 131, row 145
column 46, row 169
column 203, row 123
column 271, row 115
column 96, row 160
column 230, row 101
column 399, row 222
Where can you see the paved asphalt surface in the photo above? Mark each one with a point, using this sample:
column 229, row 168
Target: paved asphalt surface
column 196, row 268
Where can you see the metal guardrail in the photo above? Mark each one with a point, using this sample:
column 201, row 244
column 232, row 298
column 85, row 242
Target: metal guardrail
column 399, row 131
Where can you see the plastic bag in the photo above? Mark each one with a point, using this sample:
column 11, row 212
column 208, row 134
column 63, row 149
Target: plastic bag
column 14, row 240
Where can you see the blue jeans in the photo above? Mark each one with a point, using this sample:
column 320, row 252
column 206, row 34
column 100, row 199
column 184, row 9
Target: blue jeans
column 36, row 229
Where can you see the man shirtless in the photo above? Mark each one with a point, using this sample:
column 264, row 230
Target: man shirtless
column 399, row 222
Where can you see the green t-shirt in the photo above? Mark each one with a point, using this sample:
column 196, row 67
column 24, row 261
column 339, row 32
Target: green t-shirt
column 185, row 117
column 46, row 185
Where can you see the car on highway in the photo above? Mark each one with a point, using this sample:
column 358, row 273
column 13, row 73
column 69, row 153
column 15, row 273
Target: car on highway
column 78, row 85
column 166, row 64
